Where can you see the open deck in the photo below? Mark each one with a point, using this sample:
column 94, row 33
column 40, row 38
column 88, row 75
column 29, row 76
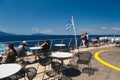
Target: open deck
column 100, row 71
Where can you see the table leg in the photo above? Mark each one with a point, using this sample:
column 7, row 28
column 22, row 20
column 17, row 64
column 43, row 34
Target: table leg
column 36, row 55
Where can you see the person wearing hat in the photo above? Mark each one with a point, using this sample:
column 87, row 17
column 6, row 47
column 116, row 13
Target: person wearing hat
column 22, row 48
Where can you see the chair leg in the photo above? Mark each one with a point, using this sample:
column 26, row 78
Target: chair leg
column 89, row 69
column 44, row 73
column 24, row 78
column 37, row 66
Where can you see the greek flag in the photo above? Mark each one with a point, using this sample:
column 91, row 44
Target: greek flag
column 69, row 25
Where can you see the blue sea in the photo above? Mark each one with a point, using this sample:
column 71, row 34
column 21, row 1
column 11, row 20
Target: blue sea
column 44, row 37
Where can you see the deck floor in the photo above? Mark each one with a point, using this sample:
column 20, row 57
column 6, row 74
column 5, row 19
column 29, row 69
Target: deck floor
column 101, row 72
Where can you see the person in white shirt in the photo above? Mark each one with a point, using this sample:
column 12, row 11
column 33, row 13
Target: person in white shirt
column 22, row 49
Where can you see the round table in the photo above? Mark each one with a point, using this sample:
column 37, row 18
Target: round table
column 60, row 46
column 62, row 55
column 35, row 48
column 8, row 69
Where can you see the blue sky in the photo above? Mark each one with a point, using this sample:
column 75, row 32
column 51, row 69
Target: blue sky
column 51, row 16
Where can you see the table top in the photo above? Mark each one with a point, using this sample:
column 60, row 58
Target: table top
column 61, row 54
column 8, row 69
column 29, row 53
column 94, row 39
column 60, row 45
column 35, row 48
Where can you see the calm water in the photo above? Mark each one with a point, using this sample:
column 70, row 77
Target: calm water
column 42, row 37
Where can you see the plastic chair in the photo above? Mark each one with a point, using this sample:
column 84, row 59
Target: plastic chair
column 31, row 73
column 56, row 69
column 84, row 57
column 21, row 54
column 44, row 60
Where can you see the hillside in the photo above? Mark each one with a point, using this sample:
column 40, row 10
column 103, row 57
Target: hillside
column 5, row 34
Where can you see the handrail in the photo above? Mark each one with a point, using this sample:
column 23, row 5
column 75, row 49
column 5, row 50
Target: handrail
column 68, row 41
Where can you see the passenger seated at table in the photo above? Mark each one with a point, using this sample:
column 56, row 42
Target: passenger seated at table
column 45, row 46
column 10, row 54
column 22, row 49
column 97, row 38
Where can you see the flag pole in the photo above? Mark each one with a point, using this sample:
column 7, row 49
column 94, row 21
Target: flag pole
column 74, row 31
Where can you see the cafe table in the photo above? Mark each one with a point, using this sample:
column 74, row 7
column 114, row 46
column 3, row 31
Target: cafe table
column 61, row 56
column 60, row 46
column 35, row 48
column 8, row 69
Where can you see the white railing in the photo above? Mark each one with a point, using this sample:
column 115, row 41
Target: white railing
column 70, row 42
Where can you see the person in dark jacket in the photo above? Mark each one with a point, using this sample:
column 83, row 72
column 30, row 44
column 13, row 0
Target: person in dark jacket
column 87, row 40
column 45, row 46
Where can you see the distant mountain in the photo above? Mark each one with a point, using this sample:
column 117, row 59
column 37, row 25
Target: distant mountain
column 5, row 34
column 39, row 34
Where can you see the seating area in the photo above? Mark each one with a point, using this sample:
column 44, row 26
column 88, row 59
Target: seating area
column 57, row 68
column 63, row 64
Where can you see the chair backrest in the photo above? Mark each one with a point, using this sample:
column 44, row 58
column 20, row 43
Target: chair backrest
column 84, row 55
column 66, row 49
column 31, row 73
column 56, row 66
column 22, row 63
column 44, row 61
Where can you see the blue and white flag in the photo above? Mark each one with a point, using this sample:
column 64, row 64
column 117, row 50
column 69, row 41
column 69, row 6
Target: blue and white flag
column 69, row 25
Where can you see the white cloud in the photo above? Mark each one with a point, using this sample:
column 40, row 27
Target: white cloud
column 110, row 29
column 97, row 31
column 115, row 28
column 104, row 28
column 35, row 29
column 47, row 31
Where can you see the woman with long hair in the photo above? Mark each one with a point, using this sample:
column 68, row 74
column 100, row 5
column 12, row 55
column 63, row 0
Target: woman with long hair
column 10, row 54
